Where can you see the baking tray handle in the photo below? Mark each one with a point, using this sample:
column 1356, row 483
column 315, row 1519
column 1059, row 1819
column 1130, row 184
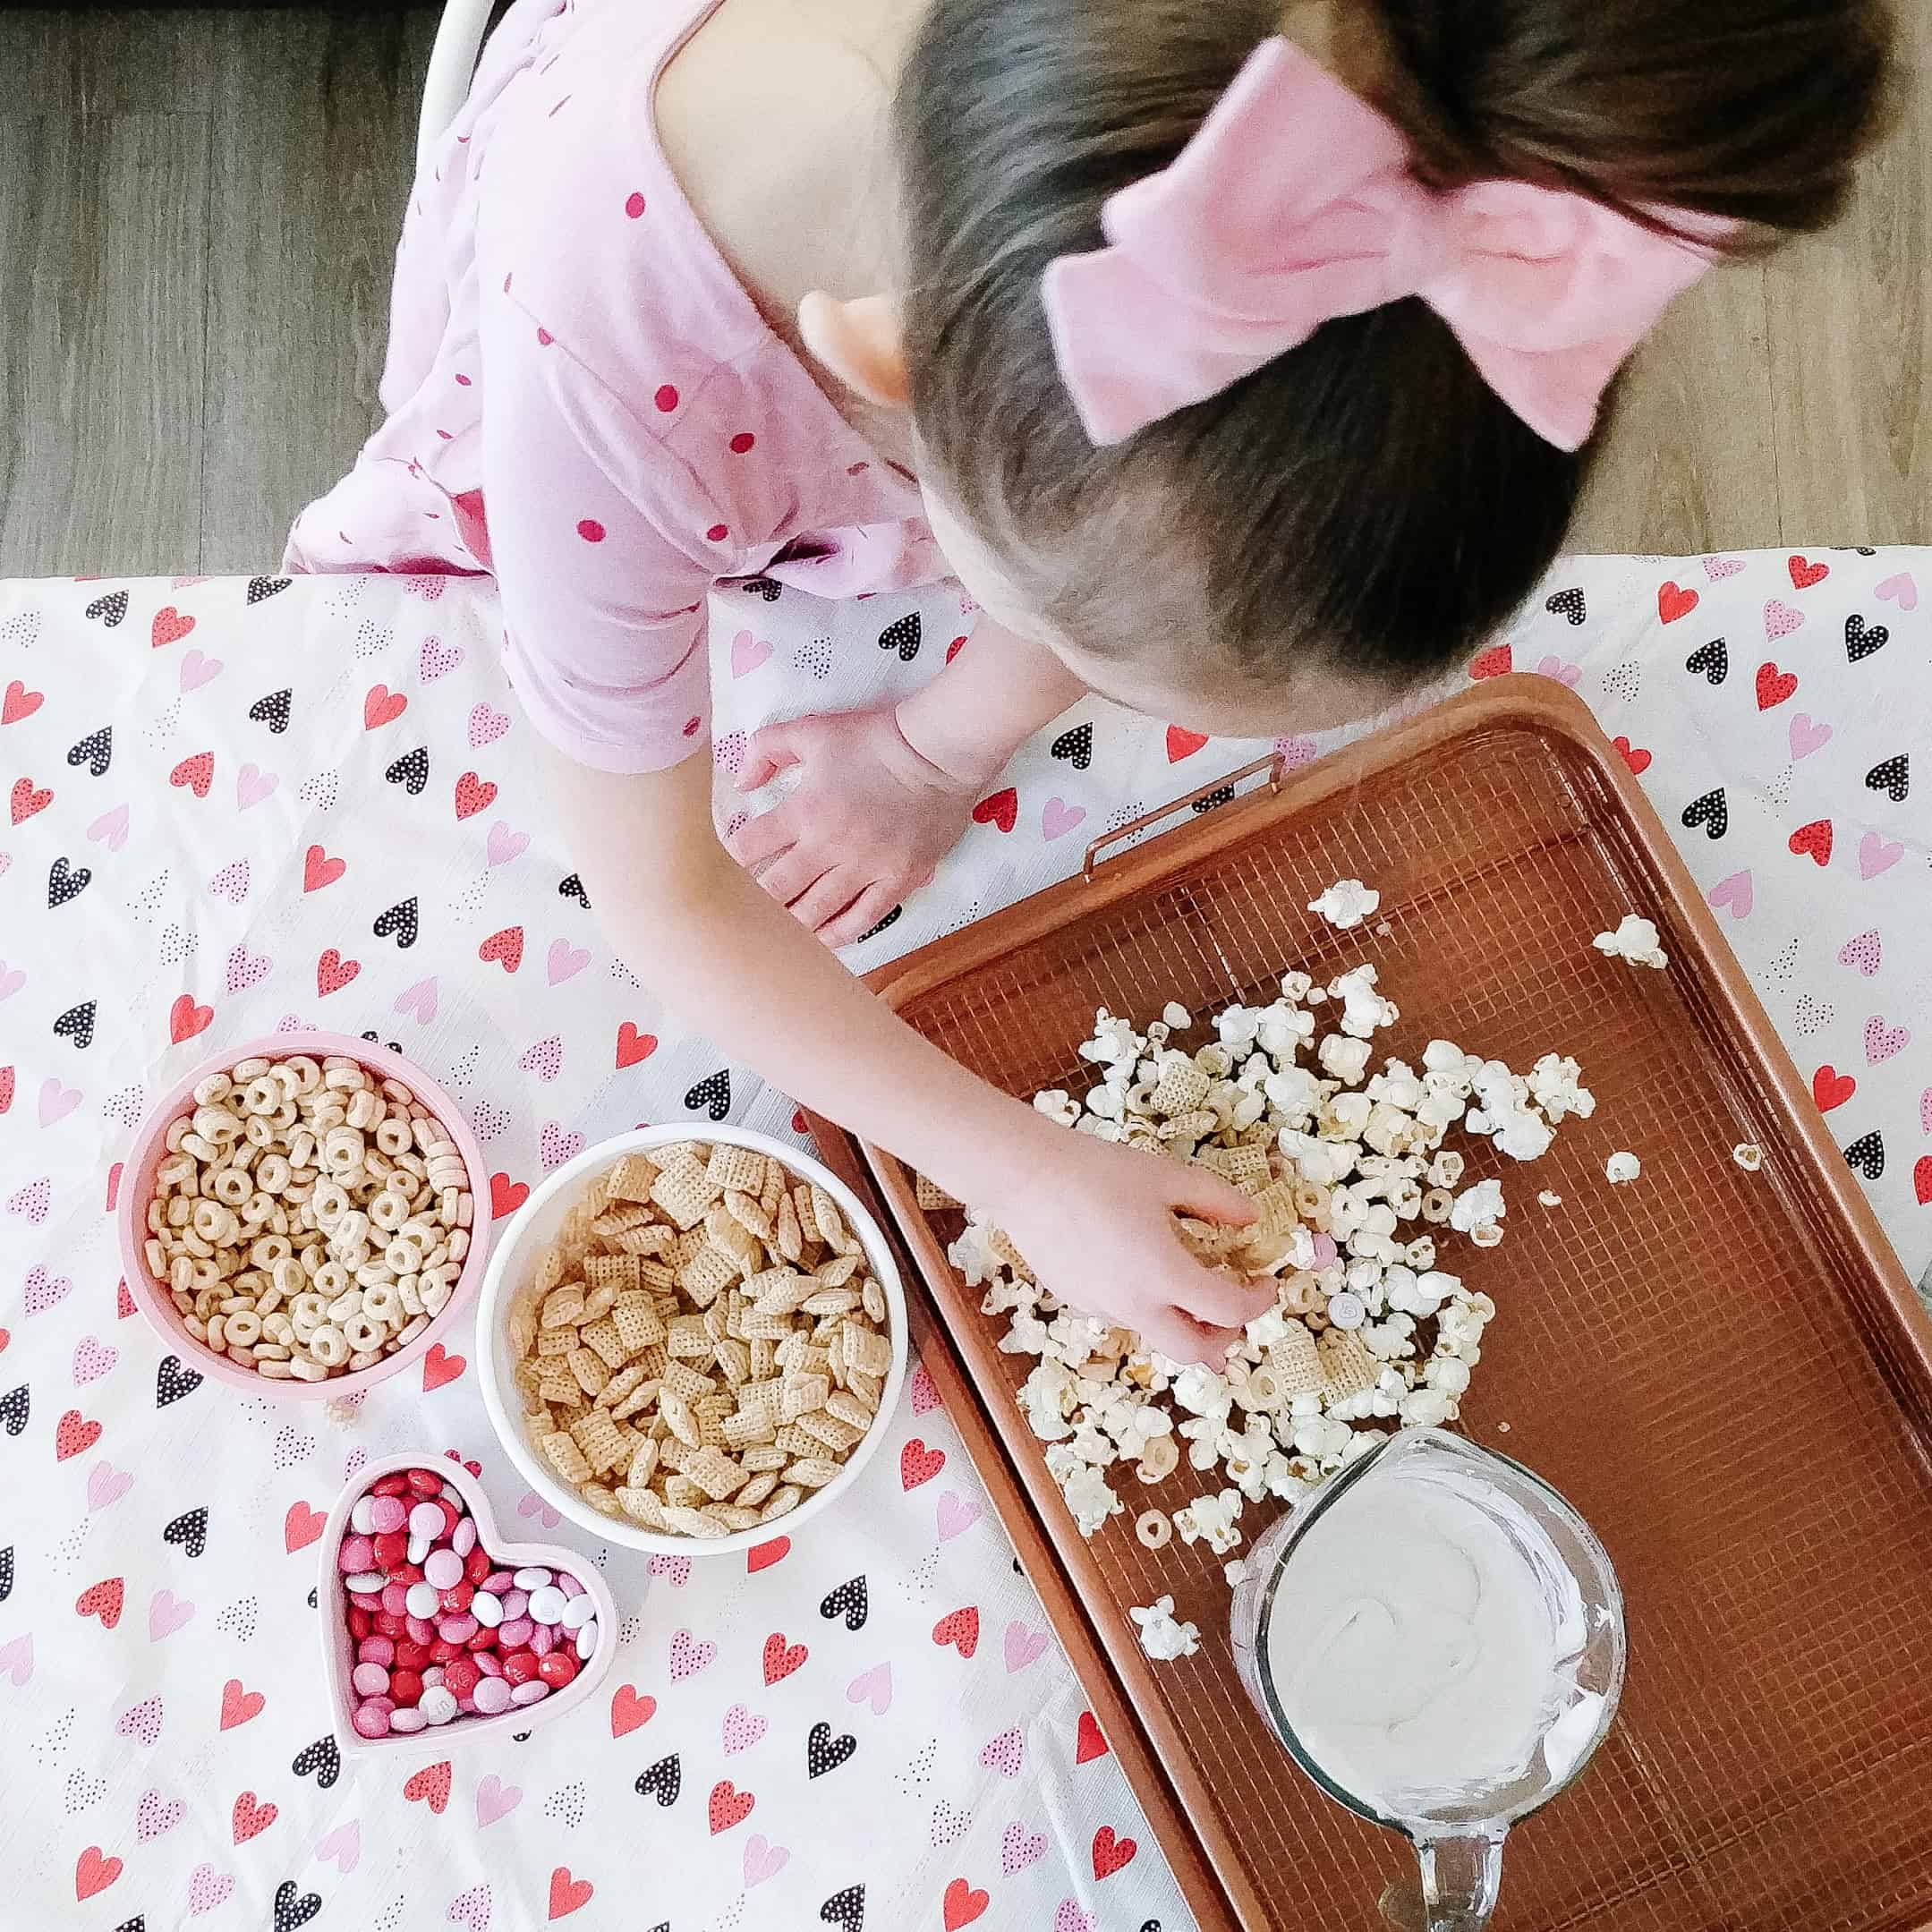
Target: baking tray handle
column 1273, row 765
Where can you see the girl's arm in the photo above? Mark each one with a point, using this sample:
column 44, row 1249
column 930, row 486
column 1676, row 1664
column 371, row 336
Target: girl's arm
column 1093, row 1220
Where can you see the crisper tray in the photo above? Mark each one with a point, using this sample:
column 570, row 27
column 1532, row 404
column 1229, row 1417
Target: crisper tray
column 1726, row 1372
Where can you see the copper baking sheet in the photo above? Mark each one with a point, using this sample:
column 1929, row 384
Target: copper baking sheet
column 1726, row 1372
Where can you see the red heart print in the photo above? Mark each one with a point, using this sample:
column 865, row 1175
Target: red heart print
column 1830, row 1088
column 382, row 706
column 506, row 1195
column 93, row 1873
column 634, row 1046
column 301, row 1526
column 1814, row 840
column 628, row 1710
column 102, row 1600
column 169, row 627
column 237, row 1705
column 26, row 800
column 960, row 1628
column 728, row 1806
column 429, row 1787
column 124, row 1302
column 439, row 1367
column 762, row 1555
column 196, row 773
column 505, row 947
column 1001, row 809
column 1088, row 1742
column 1497, row 661
column 6, row 1088
column 19, row 702
column 1922, row 1180
column 1673, row 602
column 1805, row 574
column 185, row 1019
column 473, row 795
column 319, row 870
column 73, row 1434
column 568, row 1893
column 1773, row 685
column 1633, row 755
column 918, row 1464
column 1182, row 743
column 333, row 973
column 962, row 1904
column 249, row 1818
column 799, row 1123
column 1111, row 1853
column 781, row 1659
column 954, row 648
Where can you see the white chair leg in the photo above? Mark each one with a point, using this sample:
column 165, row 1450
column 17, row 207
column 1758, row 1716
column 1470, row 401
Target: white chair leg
column 452, row 64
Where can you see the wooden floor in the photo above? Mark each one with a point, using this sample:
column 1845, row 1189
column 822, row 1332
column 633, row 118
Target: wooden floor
column 197, row 211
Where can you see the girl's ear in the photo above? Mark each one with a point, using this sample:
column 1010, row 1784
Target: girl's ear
column 860, row 342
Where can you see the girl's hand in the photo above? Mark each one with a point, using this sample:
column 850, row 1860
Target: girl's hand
column 1095, row 1223
column 867, row 822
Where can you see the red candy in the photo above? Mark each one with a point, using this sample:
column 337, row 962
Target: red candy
column 389, row 1624
column 460, row 1677
column 442, row 1650
column 456, row 1599
column 390, row 1486
column 426, row 1484
column 476, row 1567
column 555, row 1670
column 360, row 1624
column 392, row 1549
column 452, row 1515
column 410, row 1654
column 406, row 1573
column 407, row 1686
column 484, row 1640
column 520, row 1666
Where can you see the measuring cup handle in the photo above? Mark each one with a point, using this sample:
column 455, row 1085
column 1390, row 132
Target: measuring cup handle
column 1460, row 1880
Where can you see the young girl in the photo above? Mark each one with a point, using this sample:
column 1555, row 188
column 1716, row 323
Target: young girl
column 1243, row 368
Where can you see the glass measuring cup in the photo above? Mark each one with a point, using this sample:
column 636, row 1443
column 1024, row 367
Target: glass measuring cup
column 1372, row 1544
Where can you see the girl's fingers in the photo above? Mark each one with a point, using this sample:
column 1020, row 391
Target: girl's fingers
column 792, row 873
column 767, row 753
column 1179, row 1336
column 1221, row 1300
column 862, row 916
column 763, row 838
column 1195, row 1190
column 826, row 898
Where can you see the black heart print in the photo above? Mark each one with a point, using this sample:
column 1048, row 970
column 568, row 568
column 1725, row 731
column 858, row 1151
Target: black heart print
column 95, row 750
column 1075, row 746
column 65, row 882
column 189, row 1531
column 1219, row 796
column 411, row 769
column 1867, row 1154
column 110, row 610
column 311, row 1599
column 1892, row 776
column 763, row 587
column 395, row 1046
column 902, row 636
column 572, row 888
column 663, row 1781
column 1567, row 604
column 891, row 918
column 398, row 922
column 845, row 1909
column 272, row 710
column 711, row 1095
column 824, row 1752
column 290, row 1910
column 1711, row 659
column 77, row 1024
column 261, row 588
column 15, row 1406
column 138, row 1923
column 172, row 1381
column 847, row 1601
column 1861, row 643
column 321, row 1757
column 6, row 1573
column 1710, row 812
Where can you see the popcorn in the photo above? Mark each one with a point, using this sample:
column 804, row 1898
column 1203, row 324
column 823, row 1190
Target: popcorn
column 1160, row 1636
column 1346, row 904
column 1212, row 1520
column 1748, row 1155
column 1478, row 1206
column 1547, row 1199
column 1091, row 1499
column 1635, row 939
column 1621, row 1167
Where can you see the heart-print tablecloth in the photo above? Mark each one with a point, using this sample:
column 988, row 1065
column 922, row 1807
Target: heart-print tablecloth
column 235, row 802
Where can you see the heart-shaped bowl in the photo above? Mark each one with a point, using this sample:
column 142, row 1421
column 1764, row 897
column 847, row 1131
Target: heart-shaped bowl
column 338, row 1646
column 138, row 1176
column 520, row 1247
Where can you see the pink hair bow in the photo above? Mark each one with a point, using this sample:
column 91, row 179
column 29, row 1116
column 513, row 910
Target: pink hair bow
column 1293, row 204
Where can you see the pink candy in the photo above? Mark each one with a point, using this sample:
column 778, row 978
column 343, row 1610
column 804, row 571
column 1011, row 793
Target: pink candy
column 371, row 1679
column 386, row 1513
column 513, row 1633
column 543, row 1639
column 372, row 1717
column 496, row 1582
column 463, row 1537
column 533, row 1692
column 514, row 1604
column 441, row 1569
column 492, row 1696
column 568, row 1584
column 376, row 1650
column 458, row 1630
column 355, row 1555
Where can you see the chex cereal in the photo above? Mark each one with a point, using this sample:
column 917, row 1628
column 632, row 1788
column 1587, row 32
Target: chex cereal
column 704, row 1344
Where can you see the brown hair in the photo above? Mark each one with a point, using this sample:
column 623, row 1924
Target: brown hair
column 1364, row 501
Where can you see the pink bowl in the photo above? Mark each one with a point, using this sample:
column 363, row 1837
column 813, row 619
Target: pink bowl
column 150, row 1149
column 339, row 1658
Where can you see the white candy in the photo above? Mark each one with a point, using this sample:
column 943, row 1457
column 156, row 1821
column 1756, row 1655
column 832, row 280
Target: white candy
column 578, row 1610
column 362, row 1517
column 423, row 1600
column 587, row 1639
column 487, row 1608
column 548, row 1603
column 367, row 1585
column 533, row 1577
column 438, row 1704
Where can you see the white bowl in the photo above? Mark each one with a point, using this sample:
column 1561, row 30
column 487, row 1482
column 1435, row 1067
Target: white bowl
column 514, row 1258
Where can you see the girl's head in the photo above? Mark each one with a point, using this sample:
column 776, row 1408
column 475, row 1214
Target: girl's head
column 1363, row 510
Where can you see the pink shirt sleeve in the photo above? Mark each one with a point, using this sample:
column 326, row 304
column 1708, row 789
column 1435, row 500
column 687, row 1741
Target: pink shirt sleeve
column 604, row 613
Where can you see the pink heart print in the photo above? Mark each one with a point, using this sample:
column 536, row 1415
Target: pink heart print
column 1563, row 673
column 1071, row 1918
column 231, row 882
column 1780, row 619
column 487, row 724
column 496, row 1799
column 110, row 829
column 207, row 1888
column 434, row 657
column 106, row 1485
column 471, row 1908
column 197, row 670
column 762, row 1861
column 748, row 653
column 1925, row 1110
column 92, row 1358
column 56, row 1101
column 246, row 968
column 545, row 1059
column 1878, row 855
column 32, row 1201
column 1060, row 818
column 689, row 1654
column 555, row 1144
column 873, row 1686
column 143, row 1721
column 11, row 981
column 16, row 1658
column 1005, row 1754
column 344, row 1844
column 1882, row 1042
column 505, row 844
column 924, row 1395
column 956, row 1514
column 166, row 1612
column 1024, row 1646
column 1900, row 590
column 1732, row 894
column 419, row 1000
column 675, row 1569
column 1019, row 1847
column 153, row 1814
column 45, row 1290
column 1295, row 751
column 1806, row 737
column 1717, row 568
column 1864, row 950
column 428, row 587
column 566, row 961
column 742, row 1728
column 251, row 786
column 533, row 1504
column 948, row 1823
